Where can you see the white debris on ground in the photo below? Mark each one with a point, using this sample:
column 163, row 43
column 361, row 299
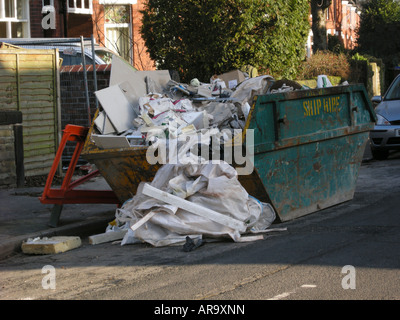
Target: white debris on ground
column 196, row 201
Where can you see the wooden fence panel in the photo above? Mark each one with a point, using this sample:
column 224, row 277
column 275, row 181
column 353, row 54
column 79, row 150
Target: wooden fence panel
column 29, row 81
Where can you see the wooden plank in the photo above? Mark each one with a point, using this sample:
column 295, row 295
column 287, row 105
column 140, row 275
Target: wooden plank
column 42, row 138
column 28, row 112
column 8, row 104
column 48, row 120
column 36, row 64
column 25, row 57
column 142, row 221
column 37, row 172
column 8, row 65
column 193, row 208
column 7, row 86
column 37, row 72
column 37, row 145
column 33, row 116
column 37, row 130
column 44, row 159
column 36, row 105
column 39, row 161
column 36, row 85
column 40, row 69
column 36, row 168
column 250, row 238
column 7, row 78
column 107, row 237
column 39, row 97
column 36, row 78
column 34, row 92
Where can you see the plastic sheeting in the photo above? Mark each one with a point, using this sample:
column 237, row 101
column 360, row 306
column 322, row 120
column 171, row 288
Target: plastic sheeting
column 213, row 186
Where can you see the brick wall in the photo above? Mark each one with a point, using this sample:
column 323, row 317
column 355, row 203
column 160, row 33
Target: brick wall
column 80, row 25
column 74, row 108
column 36, row 16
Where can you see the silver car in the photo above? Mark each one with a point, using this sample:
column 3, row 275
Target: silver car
column 386, row 134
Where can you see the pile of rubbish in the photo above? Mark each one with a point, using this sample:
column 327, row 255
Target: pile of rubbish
column 195, row 201
column 142, row 107
column 189, row 199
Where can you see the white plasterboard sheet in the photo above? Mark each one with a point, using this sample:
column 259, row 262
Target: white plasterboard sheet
column 103, row 124
column 130, row 95
column 117, row 107
column 122, row 71
column 110, row 141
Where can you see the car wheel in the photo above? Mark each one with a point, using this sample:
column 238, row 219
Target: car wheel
column 380, row 154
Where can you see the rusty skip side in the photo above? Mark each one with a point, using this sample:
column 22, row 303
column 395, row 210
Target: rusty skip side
column 308, row 147
column 122, row 168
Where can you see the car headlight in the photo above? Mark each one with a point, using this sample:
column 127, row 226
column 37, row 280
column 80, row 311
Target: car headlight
column 382, row 121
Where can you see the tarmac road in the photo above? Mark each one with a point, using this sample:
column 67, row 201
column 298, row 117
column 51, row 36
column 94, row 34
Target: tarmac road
column 349, row 251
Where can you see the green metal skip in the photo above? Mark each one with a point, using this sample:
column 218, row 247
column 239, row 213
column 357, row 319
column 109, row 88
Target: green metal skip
column 308, row 147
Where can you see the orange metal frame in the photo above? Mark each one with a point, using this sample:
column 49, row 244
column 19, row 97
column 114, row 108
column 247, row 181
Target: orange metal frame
column 67, row 193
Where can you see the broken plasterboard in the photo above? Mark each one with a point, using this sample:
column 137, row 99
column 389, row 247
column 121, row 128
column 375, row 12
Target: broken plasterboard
column 104, row 124
column 122, row 71
column 50, row 245
column 196, row 118
column 110, row 141
column 117, row 106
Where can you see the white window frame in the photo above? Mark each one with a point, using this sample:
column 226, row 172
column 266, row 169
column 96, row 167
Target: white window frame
column 48, row 7
column 119, row 25
column 50, row 4
column 121, row 2
column 9, row 20
column 82, row 9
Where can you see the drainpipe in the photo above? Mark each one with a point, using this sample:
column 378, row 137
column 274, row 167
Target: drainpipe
column 64, row 12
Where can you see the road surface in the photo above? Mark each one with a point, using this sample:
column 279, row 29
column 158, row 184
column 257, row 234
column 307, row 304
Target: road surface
column 349, row 251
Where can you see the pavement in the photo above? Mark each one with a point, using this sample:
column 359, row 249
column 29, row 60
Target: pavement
column 23, row 216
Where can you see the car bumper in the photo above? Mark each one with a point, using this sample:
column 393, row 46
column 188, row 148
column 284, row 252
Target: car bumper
column 385, row 137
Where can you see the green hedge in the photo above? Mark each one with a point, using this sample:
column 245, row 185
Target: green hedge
column 202, row 38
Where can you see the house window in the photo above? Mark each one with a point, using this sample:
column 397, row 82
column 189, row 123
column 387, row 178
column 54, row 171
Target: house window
column 80, row 6
column 47, row 3
column 118, row 30
column 14, row 19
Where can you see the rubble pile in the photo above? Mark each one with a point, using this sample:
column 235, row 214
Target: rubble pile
column 188, row 199
column 165, row 109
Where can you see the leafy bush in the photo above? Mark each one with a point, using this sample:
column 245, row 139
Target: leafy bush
column 379, row 29
column 325, row 62
column 202, row 38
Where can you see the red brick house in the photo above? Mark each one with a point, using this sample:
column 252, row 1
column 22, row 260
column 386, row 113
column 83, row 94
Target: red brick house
column 115, row 23
column 342, row 20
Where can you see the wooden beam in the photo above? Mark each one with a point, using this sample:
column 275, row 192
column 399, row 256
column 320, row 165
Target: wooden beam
column 107, row 236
